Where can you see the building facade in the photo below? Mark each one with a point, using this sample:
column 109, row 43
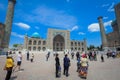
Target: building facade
column 57, row 40
column 113, row 38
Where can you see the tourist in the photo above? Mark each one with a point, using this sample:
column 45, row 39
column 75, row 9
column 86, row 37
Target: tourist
column 78, row 65
column 47, row 56
column 57, row 65
column 9, row 66
column 28, row 55
column 113, row 54
column 19, row 61
column 102, row 58
column 77, row 55
column 72, row 55
column 66, row 65
column 32, row 57
column 84, row 66
column 6, row 53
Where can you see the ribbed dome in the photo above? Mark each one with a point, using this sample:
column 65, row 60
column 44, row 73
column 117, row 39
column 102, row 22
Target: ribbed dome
column 35, row 35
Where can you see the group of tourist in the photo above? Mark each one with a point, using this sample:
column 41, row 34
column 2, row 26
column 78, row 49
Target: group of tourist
column 10, row 66
column 82, row 65
column 111, row 54
column 66, row 64
column 92, row 55
column 30, row 58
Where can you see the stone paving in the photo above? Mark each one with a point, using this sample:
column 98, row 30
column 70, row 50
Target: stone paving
column 41, row 69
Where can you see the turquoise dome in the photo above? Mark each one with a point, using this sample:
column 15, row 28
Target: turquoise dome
column 35, row 35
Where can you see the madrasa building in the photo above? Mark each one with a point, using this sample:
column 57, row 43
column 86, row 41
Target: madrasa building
column 112, row 39
column 57, row 40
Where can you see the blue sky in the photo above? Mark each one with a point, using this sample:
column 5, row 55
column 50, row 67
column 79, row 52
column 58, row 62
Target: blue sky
column 78, row 16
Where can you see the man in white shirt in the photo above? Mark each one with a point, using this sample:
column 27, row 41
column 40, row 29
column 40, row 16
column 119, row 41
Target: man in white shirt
column 19, row 60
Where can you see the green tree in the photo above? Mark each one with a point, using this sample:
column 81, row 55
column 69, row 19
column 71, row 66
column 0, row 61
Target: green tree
column 91, row 47
column 15, row 45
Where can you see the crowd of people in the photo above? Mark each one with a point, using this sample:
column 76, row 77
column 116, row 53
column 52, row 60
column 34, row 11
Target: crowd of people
column 10, row 63
column 82, row 64
column 81, row 60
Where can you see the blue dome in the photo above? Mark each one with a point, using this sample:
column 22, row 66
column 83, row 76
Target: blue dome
column 35, row 35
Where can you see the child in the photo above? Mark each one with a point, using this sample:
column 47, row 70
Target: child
column 32, row 57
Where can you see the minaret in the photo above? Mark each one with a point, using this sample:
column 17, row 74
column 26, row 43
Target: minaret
column 102, row 31
column 8, row 22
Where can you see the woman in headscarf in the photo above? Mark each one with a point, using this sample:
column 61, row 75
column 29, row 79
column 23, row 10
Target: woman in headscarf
column 84, row 66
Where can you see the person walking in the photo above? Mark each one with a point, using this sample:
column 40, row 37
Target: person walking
column 66, row 65
column 102, row 58
column 32, row 57
column 9, row 66
column 84, row 66
column 19, row 61
column 47, row 56
column 77, row 55
column 57, row 65
column 28, row 55
column 72, row 55
column 78, row 65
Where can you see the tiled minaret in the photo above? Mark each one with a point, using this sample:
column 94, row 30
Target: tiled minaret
column 8, row 22
column 102, row 31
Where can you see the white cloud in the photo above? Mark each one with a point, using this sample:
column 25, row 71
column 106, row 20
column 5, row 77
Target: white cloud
column 105, row 17
column 94, row 27
column 111, row 7
column 54, row 18
column 105, row 5
column 81, row 33
column 74, row 28
column 36, row 27
column 17, row 35
column 108, row 23
column 51, row 17
column 22, row 25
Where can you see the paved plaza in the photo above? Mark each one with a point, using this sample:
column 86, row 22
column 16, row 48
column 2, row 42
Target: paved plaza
column 41, row 69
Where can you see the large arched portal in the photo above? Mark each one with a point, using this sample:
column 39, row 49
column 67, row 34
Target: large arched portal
column 58, row 43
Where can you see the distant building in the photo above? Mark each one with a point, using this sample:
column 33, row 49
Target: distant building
column 57, row 40
column 113, row 38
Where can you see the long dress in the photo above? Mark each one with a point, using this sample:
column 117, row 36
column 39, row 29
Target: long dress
column 84, row 67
